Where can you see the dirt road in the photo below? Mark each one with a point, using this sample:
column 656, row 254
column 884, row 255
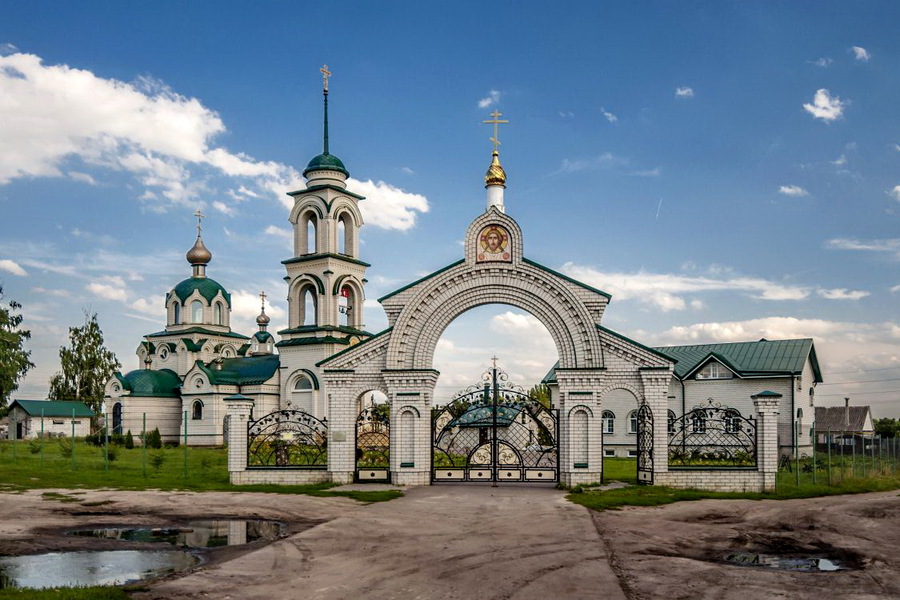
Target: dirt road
column 482, row 542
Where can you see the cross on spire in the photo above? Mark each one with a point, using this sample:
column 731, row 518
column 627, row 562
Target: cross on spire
column 262, row 297
column 494, row 360
column 200, row 216
column 325, row 75
column 496, row 121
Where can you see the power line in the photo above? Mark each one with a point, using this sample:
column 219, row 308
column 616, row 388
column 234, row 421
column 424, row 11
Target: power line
column 856, row 394
column 865, row 371
column 853, row 382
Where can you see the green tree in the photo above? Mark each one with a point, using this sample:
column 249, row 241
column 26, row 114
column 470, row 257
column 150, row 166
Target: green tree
column 14, row 359
column 86, row 366
column 887, row 428
column 540, row 393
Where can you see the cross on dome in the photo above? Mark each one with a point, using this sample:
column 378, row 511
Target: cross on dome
column 496, row 121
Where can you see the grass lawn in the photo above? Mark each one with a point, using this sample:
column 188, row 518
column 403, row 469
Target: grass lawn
column 91, row 593
column 24, row 467
column 886, row 477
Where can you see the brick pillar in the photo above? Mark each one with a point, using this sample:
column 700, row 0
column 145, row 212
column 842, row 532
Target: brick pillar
column 656, row 394
column 766, row 405
column 238, row 410
column 410, row 394
column 580, row 452
column 341, row 426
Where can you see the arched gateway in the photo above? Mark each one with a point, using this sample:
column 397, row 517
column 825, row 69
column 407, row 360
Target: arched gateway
column 592, row 359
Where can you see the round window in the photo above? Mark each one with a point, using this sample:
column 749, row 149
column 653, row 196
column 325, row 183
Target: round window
column 164, row 354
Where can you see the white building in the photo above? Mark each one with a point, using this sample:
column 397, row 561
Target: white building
column 58, row 418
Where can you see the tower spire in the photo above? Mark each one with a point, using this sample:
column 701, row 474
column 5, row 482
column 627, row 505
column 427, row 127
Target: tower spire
column 199, row 255
column 495, row 178
column 325, row 75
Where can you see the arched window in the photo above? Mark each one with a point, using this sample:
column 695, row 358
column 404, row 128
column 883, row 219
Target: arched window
column 302, row 394
column 197, row 410
column 670, row 426
column 177, row 316
column 117, row 419
column 632, row 422
column 609, row 422
column 196, row 311
column 698, row 423
column 342, row 236
column 217, row 314
column 311, row 226
column 308, row 306
column 733, row 422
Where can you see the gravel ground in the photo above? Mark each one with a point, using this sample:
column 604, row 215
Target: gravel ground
column 454, row 541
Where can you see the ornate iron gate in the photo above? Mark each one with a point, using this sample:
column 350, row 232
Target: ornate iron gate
column 373, row 444
column 494, row 431
column 645, row 445
column 712, row 436
column 287, row 438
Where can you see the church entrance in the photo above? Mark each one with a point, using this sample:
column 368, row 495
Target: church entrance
column 494, row 431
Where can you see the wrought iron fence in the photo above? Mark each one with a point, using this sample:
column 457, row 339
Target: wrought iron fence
column 712, row 436
column 287, row 438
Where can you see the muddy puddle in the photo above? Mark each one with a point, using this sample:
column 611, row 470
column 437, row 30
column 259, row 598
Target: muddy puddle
column 807, row 564
column 196, row 534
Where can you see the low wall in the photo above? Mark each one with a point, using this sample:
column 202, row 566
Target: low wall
column 718, row 480
column 280, row 476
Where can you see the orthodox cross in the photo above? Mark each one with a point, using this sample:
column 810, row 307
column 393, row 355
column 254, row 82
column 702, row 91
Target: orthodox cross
column 496, row 121
column 262, row 297
column 200, row 216
column 494, row 360
column 325, row 75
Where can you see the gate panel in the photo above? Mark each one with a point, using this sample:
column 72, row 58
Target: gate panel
column 645, row 445
column 373, row 444
column 494, row 432
column 287, row 438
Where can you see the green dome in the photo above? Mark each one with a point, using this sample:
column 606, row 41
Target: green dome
column 326, row 162
column 207, row 287
column 164, row 383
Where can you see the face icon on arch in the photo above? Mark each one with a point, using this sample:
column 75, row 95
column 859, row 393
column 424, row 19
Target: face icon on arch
column 493, row 244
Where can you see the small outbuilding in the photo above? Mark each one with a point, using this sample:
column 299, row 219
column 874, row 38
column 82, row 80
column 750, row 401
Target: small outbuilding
column 28, row 418
column 843, row 422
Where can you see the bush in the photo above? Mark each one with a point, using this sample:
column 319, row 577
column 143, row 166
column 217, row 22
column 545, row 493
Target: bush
column 112, row 453
column 65, row 446
column 34, row 446
column 157, row 459
column 129, row 441
column 154, row 439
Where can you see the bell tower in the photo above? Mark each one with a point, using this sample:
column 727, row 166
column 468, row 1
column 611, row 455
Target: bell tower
column 325, row 277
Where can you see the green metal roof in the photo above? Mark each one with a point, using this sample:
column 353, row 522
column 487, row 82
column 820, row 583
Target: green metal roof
column 748, row 359
column 248, row 370
column 207, row 287
column 326, row 162
column 203, row 330
column 163, row 383
column 53, row 408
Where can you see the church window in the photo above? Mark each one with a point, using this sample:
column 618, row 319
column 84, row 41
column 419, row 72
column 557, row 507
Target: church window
column 302, row 394
column 632, row 422
column 163, row 354
column 197, row 410
column 342, row 236
column 308, row 306
column 177, row 314
column 217, row 314
column 117, row 419
column 196, row 311
column 670, row 426
column 609, row 422
column 311, row 227
column 714, row 370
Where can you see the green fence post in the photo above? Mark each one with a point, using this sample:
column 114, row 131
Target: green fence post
column 144, row 445
column 829, row 458
column 873, row 454
column 42, row 438
column 185, row 446
column 843, row 439
column 73, row 439
column 15, row 424
column 106, row 440
column 797, row 449
column 815, row 444
column 853, row 458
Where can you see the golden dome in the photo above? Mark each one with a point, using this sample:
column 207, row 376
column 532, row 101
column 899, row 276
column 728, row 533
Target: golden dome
column 495, row 174
column 199, row 254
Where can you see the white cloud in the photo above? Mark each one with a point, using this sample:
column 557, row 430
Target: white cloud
column 792, row 190
column 223, row 208
column 281, row 232
column 822, row 62
column 895, row 289
column 155, row 307
column 491, row 99
column 684, row 92
column 566, row 114
column 386, row 206
column 840, row 161
column 842, row 294
column 895, row 192
column 245, row 306
column 665, row 290
column 82, row 177
column 825, row 106
column 13, row 267
column 860, row 53
column 609, row 116
column 407, row 170
column 889, row 246
column 51, row 292
column 769, row 328
column 110, row 287
column 607, row 159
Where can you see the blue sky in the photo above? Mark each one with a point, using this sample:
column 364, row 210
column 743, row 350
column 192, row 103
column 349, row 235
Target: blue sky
column 727, row 171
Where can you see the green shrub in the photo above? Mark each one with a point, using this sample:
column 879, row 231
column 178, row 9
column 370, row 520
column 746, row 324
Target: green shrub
column 157, row 459
column 34, row 446
column 112, row 453
column 65, row 446
column 129, row 441
column 154, row 439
